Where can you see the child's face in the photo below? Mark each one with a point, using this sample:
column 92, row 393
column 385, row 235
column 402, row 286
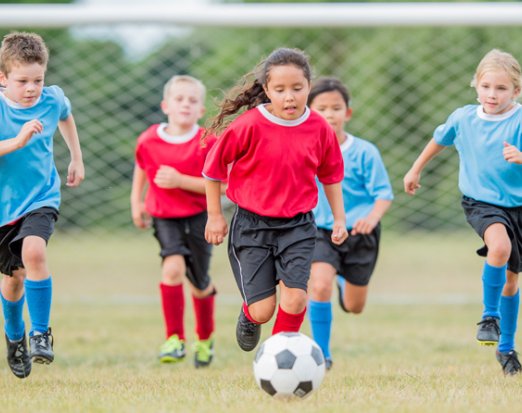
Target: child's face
column 288, row 89
column 332, row 107
column 496, row 92
column 183, row 104
column 24, row 83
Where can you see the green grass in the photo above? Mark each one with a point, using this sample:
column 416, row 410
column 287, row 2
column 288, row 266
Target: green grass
column 412, row 350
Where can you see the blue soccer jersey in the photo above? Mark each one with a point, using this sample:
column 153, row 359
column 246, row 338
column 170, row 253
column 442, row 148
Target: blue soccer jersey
column 365, row 181
column 484, row 174
column 28, row 176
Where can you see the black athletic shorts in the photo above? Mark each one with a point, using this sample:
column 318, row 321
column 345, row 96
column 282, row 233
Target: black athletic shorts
column 186, row 236
column 264, row 250
column 354, row 259
column 39, row 222
column 481, row 215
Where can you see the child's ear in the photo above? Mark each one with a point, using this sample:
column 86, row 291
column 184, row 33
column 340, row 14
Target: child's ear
column 348, row 114
column 3, row 78
column 163, row 106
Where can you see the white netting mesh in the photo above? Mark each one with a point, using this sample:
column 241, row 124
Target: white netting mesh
column 404, row 82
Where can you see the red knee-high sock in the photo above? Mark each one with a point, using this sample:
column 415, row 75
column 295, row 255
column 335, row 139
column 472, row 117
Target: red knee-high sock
column 173, row 303
column 204, row 312
column 288, row 322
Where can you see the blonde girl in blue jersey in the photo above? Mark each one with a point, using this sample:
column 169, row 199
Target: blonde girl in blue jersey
column 367, row 195
column 488, row 139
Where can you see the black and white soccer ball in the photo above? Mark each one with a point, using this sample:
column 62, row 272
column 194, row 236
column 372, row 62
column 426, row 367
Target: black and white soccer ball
column 289, row 365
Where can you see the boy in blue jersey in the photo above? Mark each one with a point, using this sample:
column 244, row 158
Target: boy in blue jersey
column 30, row 193
column 488, row 139
column 367, row 195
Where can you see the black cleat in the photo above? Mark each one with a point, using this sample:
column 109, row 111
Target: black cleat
column 247, row 332
column 18, row 357
column 509, row 362
column 328, row 363
column 42, row 347
column 488, row 331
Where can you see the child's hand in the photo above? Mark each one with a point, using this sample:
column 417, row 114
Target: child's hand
column 339, row 232
column 27, row 131
column 168, row 177
column 364, row 225
column 140, row 217
column 411, row 182
column 75, row 173
column 512, row 154
column 216, row 229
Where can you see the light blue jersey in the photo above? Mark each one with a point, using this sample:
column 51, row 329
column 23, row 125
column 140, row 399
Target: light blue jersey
column 28, row 176
column 484, row 174
column 365, row 181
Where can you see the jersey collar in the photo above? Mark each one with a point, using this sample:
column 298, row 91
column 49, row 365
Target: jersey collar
column 497, row 118
column 283, row 122
column 347, row 143
column 162, row 133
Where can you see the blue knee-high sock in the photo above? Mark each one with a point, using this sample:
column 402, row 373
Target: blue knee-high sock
column 39, row 295
column 13, row 315
column 493, row 280
column 508, row 322
column 320, row 315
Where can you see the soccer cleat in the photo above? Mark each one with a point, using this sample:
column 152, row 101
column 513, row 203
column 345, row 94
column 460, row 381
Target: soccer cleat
column 509, row 362
column 18, row 357
column 42, row 347
column 341, row 283
column 203, row 352
column 488, row 331
column 172, row 350
column 247, row 332
column 328, row 364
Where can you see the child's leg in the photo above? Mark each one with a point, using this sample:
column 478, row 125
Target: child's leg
column 291, row 311
column 13, row 298
column 172, row 297
column 509, row 303
column 204, row 305
column 320, row 306
column 38, row 283
column 353, row 296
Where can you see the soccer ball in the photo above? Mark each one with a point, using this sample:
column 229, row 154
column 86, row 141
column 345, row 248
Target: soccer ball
column 289, row 365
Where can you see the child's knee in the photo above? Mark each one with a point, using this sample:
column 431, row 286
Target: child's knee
column 320, row 290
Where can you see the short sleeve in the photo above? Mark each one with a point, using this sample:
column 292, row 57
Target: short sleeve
column 445, row 134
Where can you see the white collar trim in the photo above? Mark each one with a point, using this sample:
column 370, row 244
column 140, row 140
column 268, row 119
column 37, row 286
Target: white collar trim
column 347, row 143
column 283, row 122
column 497, row 118
column 162, row 133
column 13, row 104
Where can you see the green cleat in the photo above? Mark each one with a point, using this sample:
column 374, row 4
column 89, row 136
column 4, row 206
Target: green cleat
column 203, row 352
column 173, row 350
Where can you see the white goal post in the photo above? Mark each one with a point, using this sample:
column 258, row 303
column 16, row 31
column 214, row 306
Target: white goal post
column 267, row 14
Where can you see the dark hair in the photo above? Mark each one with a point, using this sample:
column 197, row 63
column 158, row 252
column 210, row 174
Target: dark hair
column 328, row 84
column 249, row 92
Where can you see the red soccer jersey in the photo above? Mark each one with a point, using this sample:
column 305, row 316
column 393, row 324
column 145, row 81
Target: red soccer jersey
column 184, row 153
column 275, row 161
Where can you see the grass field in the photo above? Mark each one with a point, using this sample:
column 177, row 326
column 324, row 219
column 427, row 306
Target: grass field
column 412, row 350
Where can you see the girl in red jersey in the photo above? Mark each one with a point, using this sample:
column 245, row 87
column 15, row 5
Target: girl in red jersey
column 270, row 156
column 169, row 160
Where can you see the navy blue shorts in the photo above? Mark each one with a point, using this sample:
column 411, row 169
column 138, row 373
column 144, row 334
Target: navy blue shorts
column 39, row 222
column 186, row 237
column 264, row 250
column 481, row 215
column 354, row 259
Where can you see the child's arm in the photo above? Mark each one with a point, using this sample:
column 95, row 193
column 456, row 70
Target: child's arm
column 412, row 177
column 76, row 171
column 139, row 215
column 168, row 177
column 216, row 228
column 368, row 223
column 334, row 195
column 26, row 133
column 512, row 154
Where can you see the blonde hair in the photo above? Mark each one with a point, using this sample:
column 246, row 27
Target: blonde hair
column 496, row 60
column 184, row 79
column 22, row 48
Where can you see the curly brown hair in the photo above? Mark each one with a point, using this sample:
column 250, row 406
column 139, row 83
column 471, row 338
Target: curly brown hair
column 22, row 48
